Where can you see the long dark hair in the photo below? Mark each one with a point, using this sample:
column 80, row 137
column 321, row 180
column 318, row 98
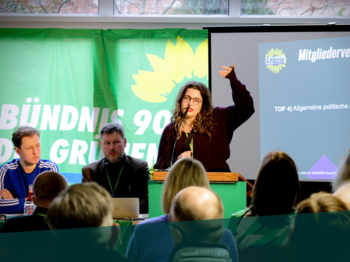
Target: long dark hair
column 204, row 122
column 277, row 188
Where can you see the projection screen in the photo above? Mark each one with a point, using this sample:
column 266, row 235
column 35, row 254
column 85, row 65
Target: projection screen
column 299, row 78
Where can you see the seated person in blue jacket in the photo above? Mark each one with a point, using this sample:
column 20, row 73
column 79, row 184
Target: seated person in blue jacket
column 17, row 175
column 197, row 224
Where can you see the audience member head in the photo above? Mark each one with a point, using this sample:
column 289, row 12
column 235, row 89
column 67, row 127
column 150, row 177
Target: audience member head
column 26, row 140
column 343, row 193
column 276, row 189
column 322, row 223
column 196, row 203
column 85, row 211
column 113, row 141
column 321, row 202
column 198, row 215
column 343, row 172
column 47, row 186
column 81, row 205
column 185, row 172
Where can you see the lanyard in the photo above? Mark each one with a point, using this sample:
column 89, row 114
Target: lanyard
column 40, row 214
column 110, row 184
column 191, row 144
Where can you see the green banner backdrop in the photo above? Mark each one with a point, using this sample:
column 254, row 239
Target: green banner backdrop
column 69, row 83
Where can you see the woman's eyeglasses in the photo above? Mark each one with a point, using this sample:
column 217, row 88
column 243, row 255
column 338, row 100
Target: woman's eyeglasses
column 188, row 99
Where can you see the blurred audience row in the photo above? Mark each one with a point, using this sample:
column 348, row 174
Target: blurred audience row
column 275, row 226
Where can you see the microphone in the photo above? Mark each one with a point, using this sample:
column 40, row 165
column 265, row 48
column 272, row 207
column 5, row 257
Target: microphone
column 177, row 133
column 182, row 119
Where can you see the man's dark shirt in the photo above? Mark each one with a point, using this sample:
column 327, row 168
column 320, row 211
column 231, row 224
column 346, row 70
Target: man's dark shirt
column 113, row 170
column 25, row 236
column 133, row 181
column 33, row 222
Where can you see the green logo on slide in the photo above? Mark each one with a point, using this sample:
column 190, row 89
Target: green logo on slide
column 275, row 60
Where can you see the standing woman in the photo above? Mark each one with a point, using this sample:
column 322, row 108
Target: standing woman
column 208, row 130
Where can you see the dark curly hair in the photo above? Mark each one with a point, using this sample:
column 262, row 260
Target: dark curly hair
column 204, row 122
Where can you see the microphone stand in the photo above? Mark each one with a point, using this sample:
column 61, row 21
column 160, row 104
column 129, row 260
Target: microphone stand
column 177, row 133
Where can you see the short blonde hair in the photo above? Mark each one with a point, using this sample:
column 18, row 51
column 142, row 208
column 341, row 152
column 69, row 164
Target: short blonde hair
column 80, row 205
column 321, row 218
column 185, row 172
column 321, row 202
column 343, row 172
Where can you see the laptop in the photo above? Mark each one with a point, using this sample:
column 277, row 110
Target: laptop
column 126, row 208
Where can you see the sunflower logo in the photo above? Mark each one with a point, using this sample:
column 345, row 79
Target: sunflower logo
column 179, row 62
column 275, row 60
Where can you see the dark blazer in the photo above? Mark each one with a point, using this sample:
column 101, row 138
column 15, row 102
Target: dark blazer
column 132, row 183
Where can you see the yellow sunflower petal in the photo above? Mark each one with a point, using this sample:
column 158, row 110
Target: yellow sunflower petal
column 201, row 60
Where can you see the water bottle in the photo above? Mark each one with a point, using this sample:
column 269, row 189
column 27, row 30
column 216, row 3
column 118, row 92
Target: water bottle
column 29, row 204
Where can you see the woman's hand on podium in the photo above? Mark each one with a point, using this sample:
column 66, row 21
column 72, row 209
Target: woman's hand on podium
column 185, row 154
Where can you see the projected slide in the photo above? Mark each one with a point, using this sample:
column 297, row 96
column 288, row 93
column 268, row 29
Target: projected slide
column 304, row 89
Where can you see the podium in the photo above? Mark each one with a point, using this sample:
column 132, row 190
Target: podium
column 232, row 188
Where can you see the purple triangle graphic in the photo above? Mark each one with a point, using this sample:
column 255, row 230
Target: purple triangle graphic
column 323, row 169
